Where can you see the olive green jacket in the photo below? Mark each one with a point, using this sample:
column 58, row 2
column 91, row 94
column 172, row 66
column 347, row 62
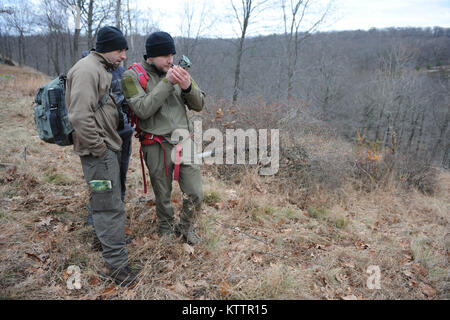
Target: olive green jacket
column 161, row 108
column 87, row 83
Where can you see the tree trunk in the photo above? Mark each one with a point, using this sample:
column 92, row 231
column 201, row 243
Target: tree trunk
column 442, row 134
column 413, row 132
column 379, row 123
column 118, row 6
column 419, row 139
column 21, row 49
column 76, row 36
column 237, row 71
column 55, row 56
column 246, row 11
column 446, row 157
column 90, row 22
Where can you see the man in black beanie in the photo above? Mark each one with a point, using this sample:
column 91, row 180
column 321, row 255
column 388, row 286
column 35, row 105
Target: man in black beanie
column 161, row 108
column 94, row 116
column 159, row 44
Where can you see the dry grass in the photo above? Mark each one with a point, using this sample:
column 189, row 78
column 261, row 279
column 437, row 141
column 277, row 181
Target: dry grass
column 258, row 243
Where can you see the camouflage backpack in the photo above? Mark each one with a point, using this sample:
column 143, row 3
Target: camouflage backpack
column 50, row 114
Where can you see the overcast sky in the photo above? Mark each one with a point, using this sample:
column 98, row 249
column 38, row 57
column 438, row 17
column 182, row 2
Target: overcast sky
column 346, row 15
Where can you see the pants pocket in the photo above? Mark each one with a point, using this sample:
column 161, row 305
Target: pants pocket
column 102, row 200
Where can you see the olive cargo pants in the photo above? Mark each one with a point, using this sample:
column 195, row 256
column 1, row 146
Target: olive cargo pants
column 190, row 182
column 107, row 206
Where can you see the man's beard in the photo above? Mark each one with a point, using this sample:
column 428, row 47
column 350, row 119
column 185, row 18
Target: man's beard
column 159, row 70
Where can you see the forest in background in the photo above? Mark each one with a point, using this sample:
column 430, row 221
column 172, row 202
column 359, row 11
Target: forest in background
column 388, row 86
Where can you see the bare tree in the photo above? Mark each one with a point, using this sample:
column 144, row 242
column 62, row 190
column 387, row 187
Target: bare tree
column 93, row 14
column 247, row 10
column 54, row 20
column 75, row 7
column 194, row 22
column 21, row 20
column 294, row 18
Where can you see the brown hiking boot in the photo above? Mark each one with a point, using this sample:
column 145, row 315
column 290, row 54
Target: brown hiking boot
column 122, row 276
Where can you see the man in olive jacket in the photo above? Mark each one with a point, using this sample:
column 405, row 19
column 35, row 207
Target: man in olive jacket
column 94, row 116
column 161, row 109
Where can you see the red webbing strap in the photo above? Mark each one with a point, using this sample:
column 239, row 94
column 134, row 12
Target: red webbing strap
column 176, row 172
column 146, row 140
column 143, row 169
column 178, row 150
column 143, row 80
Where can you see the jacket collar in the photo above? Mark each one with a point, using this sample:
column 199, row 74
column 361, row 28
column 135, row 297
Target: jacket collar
column 102, row 59
column 150, row 68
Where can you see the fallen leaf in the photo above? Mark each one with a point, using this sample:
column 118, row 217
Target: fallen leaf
column 154, row 236
column 427, row 290
column 418, row 269
column 94, row 281
column 219, row 205
column 33, row 256
column 413, row 283
column 44, row 221
column 408, row 273
column 180, row 288
column 224, row 288
column 138, row 242
column 109, row 292
column 341, row 277
column 190, row 283
column 127, row 231
column 59, row 228
column 151, row 203
column 348, row 265
column 31, row 270
column 349, row 297
column 65, row 275
column 201, row 283
column 258, row 188
column 232, row 203
column 256, row 258
column 132, row 286
column 189, row 249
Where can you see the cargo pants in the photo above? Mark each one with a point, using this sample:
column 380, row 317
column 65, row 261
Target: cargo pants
column 190, row 182
column 108, row 210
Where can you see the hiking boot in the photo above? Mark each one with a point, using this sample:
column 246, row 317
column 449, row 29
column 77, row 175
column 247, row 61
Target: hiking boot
column 122, row 276
column 166, row 235
column 191, row 237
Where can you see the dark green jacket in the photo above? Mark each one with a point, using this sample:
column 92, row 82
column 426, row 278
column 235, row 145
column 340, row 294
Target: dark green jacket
column 161, row 108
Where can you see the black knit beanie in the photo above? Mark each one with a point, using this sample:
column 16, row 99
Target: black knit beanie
column 159, row 44
column 110, row 39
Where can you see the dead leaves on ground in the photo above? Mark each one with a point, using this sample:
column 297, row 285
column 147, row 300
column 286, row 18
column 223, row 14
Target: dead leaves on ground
column 416, row 275
column 224, row 205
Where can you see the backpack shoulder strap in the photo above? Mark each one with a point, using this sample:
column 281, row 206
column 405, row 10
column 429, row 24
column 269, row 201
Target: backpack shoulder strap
column 142, row 74
column 103, row 100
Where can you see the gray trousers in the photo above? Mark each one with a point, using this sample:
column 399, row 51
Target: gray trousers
column 107, row 206
column 190, row 182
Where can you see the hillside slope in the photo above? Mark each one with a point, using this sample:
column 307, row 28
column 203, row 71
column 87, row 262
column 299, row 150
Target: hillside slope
column 257, row 244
